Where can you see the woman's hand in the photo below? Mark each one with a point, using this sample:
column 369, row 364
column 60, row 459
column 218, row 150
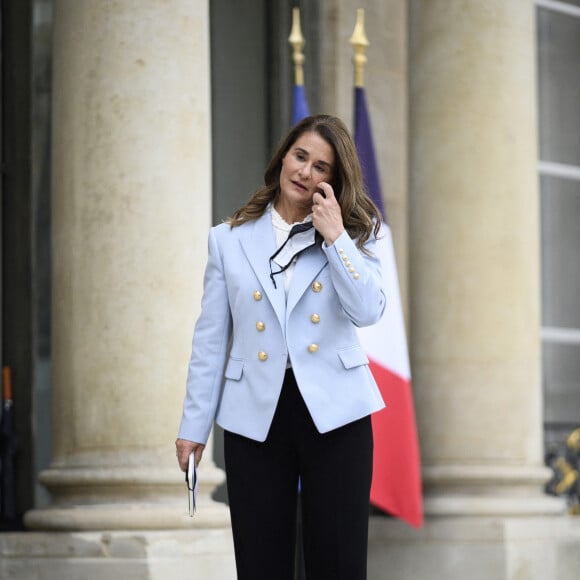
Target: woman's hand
column 183, row 448
column 326, row 214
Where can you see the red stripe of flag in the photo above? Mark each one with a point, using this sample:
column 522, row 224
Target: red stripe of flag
column 396, row 485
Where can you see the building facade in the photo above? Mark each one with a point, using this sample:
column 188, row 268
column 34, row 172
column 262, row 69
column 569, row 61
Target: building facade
column 129, row 127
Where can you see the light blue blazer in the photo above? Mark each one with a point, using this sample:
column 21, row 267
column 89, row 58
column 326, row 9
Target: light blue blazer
column 248, row 329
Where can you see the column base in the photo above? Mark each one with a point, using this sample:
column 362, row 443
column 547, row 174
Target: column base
column 127, row 498
column 473, row 505
column 488, row 490
column 134, row 516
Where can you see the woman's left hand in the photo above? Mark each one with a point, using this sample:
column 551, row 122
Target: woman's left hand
column 183, row 448
column 326, row 214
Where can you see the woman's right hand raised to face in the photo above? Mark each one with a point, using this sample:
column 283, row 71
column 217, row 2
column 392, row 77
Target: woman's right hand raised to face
column 183, row 449
column 326, row 213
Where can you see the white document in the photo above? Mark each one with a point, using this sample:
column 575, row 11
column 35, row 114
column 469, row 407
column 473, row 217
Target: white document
column 191, row 480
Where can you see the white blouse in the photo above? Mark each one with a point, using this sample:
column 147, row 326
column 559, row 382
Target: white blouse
column 294, row 245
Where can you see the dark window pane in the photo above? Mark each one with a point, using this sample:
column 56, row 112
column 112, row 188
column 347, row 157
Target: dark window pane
column 559, row 86
column 560, row 218
column 239, row 102
column 561, row 364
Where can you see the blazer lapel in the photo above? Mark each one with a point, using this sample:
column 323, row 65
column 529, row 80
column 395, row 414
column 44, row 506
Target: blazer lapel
column 259, row 243
column 308, row 266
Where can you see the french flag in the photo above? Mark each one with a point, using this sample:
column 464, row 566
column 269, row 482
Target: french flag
column 299, row 104
column 396, row 485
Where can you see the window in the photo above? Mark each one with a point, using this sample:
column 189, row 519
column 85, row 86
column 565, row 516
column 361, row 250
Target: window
column 558, row 27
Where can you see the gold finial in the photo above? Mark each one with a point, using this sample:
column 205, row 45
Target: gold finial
column 360, row 43
column 296, row 41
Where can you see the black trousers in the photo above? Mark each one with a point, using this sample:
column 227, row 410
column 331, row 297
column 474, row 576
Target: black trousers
column 334, row 470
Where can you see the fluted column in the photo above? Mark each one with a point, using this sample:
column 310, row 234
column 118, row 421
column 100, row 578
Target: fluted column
column 475, row 254
column 131, row 207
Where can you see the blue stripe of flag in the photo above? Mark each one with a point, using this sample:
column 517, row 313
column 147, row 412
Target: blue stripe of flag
column 363, row 140
column 299, row 104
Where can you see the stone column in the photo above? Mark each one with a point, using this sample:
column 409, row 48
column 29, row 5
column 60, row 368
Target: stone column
column 475, row 253
column 131, row 208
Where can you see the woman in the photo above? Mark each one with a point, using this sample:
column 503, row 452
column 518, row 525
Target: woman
column 285, row 302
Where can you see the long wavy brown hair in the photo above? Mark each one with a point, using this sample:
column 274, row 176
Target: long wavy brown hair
column 360, row 215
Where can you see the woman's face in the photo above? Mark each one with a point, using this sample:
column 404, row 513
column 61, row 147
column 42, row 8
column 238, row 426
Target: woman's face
column 309, row 161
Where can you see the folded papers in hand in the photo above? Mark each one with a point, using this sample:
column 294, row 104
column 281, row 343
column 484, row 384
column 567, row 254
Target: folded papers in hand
column 191, row 481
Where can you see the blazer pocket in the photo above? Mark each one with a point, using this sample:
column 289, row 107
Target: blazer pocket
column 234, row 369
column 353, row 356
